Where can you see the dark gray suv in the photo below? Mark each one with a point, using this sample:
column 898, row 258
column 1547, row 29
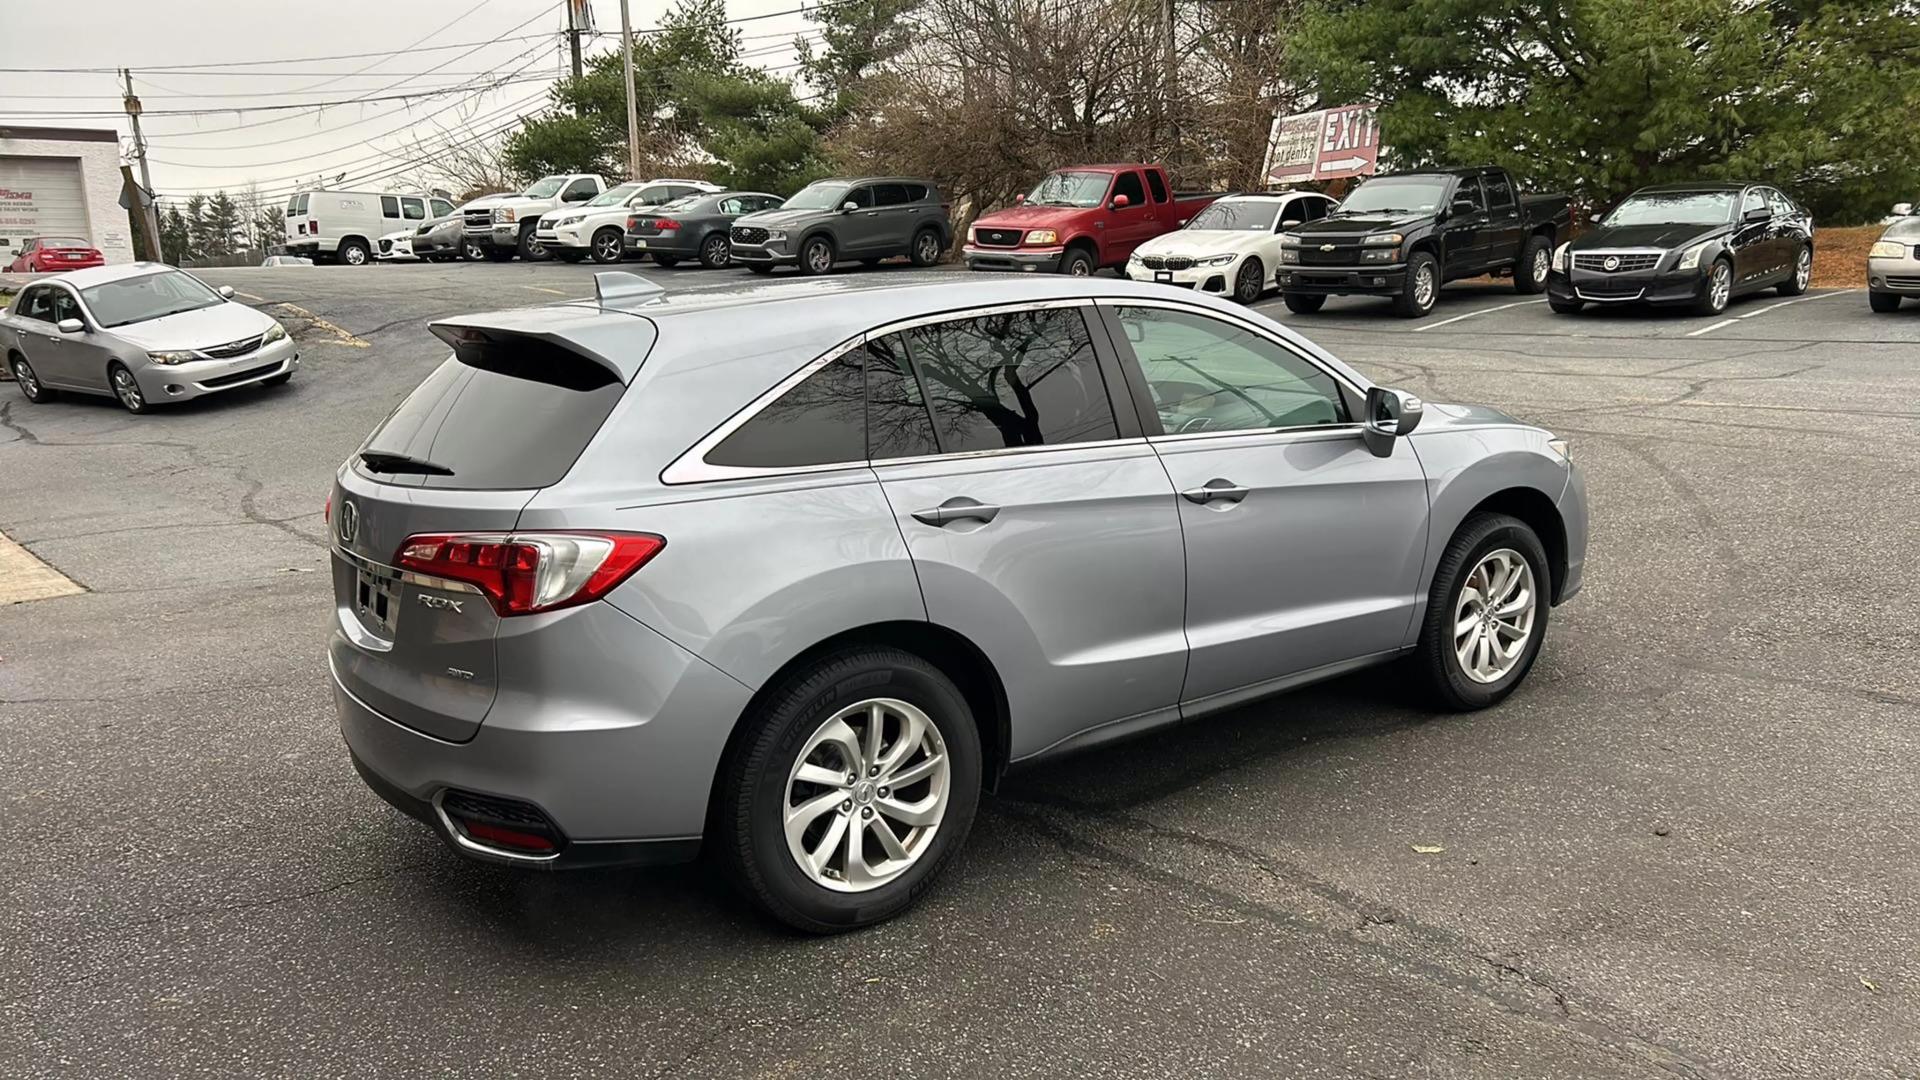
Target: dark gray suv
column 866, row 218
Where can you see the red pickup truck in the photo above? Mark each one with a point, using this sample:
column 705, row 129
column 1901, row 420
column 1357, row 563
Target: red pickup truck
column 1079, row 219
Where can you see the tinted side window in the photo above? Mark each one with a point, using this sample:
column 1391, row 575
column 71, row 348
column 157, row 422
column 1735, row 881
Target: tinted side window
column 1469, row 190
column 1128, row 184
column 861, row 196
column 733, row 206
column 442, row 208
column 389, row 206
column 1499, row 191
column 1293, row 213
column 898, row 423
column 1159, row 186
column 1316, row 207
column 37, row 304
column 1205, row 374
column 889, row 194
column 1025, row 378
column 582, row 188
column 819, row 422
column 413, row 208
column 916, row 193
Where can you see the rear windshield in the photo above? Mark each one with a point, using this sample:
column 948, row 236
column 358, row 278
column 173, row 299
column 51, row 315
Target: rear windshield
column 507, row 416
column 297, row 205
column 62, row 242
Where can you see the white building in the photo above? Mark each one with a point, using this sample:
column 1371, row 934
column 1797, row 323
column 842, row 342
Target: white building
column 62, row 182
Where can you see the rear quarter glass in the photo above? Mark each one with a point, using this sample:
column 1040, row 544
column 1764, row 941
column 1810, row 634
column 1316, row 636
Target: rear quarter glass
column 511, row 417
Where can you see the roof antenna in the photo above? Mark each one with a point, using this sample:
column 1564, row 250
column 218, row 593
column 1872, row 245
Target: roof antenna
column 614, row 286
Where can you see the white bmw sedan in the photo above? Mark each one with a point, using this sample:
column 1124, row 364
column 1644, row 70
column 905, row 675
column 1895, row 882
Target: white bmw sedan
column 1231, row 248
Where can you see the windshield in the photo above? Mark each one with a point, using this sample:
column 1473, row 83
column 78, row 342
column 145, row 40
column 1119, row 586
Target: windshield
column 1252, row 215
column 818, row 197
column 149, row 296
column 1070, row 189
column 1396, row 195
column 613, row 196
column 545, row 187
column 1673, row 208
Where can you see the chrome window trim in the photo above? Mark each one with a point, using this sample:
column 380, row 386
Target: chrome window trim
column 1300, row 433
column 692, row 466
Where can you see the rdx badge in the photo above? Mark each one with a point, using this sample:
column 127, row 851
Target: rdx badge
column 439, row 603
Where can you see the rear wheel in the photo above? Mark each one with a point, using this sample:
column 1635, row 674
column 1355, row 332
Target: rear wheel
column 1421, row 289
column 1250, row 282
column 926, row 247
column 1530, row 273
column 715, row 252
column 1719, row 289
column 1802, row 274
column 354, row 252
column 126, row 388
column 1486, row 613
column 1883, row 301
column 1078, row 262
column 29, row 381
column 1565, row 307
column 1304, row 303
column 852, row 787
column 816, row 256
column 608, row 245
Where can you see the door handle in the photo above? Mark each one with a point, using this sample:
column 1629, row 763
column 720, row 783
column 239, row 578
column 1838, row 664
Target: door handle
column 960, row 508
column 1215, row 490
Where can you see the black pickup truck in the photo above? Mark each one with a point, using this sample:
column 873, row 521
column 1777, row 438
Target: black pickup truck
column 1405, row 234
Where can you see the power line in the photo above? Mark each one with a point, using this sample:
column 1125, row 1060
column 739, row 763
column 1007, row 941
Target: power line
column 77, row 114
column 283, row 60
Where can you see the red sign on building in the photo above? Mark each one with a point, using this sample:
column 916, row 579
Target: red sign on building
column 1325, row 145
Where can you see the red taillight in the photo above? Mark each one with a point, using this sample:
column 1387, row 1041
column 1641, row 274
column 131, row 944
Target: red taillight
column 522, row 573
column 313, row 227
column 633, row 223
column 665, row 223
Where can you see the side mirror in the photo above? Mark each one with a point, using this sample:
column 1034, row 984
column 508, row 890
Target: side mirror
column 1758, row 213
column 71, row 326
column 1465, row 206
column 1391, row 414
column 1594, row 218
column 226, row 292
column 1022, row 198
column 849, row 206
column 1119, row 202
column 1902, row 209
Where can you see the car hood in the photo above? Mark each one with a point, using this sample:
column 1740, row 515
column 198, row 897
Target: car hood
column 780, row 219
column 1358, row 224
column 1442, row 416
column 1029, row 217
column 1906, row 228
column 1205, row 242
column 1665, row 237
column 199, row 329
column 490, row 201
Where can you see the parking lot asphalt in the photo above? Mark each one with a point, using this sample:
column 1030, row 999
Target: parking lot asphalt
column 1687, row 847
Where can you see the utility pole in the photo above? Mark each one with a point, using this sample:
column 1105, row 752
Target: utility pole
column 633, row 107
column 1172, row 80
column 574, row 30
column 150, row 213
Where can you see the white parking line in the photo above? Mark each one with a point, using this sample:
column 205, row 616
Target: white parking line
column 1769, row 307
column 1471, row 314
column 1711, row 329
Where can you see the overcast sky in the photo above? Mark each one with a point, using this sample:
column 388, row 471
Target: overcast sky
column 288, row 147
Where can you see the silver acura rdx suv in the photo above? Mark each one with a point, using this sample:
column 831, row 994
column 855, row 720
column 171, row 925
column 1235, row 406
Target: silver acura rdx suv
column 795, row 571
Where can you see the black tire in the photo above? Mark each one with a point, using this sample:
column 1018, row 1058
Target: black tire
column 472, row 252
column 278, row 380
column 927, row 248
column 529, row 248
column 1304, row 303
column 609, row 244
column 715, row 252
column 126, row 389
column 667, row 261
column 816, row 256
column 1445, row 679
column 1883, row 302
column 760, row 268
column 1536, row 260
column 746, row 828
column 499, row 254
column 1250, row 282
column 570, row 256
column 1565, row 307
column 1078, row 262
column 1421, row 290
column 1713, row 299
column 29, row 382
column 354, row 252
column 1801, row 274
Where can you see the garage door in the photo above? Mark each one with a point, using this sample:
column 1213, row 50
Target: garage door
column 40, row 196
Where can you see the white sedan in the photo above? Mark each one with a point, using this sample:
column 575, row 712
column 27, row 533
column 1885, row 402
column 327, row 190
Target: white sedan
column 1231, row 248
column 395, row 246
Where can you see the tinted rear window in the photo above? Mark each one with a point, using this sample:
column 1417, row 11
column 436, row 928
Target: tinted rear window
column 510, row 416
column 819, row 422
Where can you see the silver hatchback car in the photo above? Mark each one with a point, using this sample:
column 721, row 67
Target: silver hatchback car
column 796, row 571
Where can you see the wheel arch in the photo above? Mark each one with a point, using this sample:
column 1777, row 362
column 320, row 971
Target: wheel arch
column 1428, row 244
column 1542, row 515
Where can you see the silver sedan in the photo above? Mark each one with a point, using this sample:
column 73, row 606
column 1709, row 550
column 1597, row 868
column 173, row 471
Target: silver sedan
column 1893, row 265
column 143, row 334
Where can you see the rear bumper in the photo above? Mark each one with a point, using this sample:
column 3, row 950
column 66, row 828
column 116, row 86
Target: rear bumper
column 671, row 242
column 309, row 248
column 1038, row 260
column 616, row 737
column 1385, row 280
column 1588, row 287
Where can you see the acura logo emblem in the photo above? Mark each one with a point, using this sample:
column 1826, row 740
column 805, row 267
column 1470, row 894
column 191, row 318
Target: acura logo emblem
column 348, row 524
column 1612, row 263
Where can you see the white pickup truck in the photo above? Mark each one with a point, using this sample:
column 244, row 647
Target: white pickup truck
column 503, row 225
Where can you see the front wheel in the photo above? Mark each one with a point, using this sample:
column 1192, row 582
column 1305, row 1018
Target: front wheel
column 1565, row 307
column 1250, row 282
column 1802, row 275
column 1078, row 263
column 1530, row 273
column 530, row 248
column 816, row 256
column 926, row 247
column 1719, row 289
column 608, row 245
column 30, row 384
column 1486, row 613
column 472, row 252
column 850, row 790
column 1421, row 289
column 1883, row 302
column 126, row 388
column 1304, row 303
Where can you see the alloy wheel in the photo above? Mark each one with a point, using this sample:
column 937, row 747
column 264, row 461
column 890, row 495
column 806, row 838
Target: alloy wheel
column 1803, row 269
column 1494, row 615
column 866, row 795
column 607, row 247
column 719, row 252
column 23, row 375
column 1720, row 284
column 127, row 390
column 1423, row 288
column 929, row 248
column 819, row 257
column 1542, row 262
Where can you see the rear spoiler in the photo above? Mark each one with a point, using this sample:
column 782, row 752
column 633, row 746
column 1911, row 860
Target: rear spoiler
column 603, row 331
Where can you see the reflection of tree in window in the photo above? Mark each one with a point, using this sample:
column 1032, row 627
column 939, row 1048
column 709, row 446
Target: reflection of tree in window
column 1025, row 378
column 1206, row 375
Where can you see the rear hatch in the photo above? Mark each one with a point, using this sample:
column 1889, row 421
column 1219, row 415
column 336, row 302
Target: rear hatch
column 297, row 217
column 462, row 455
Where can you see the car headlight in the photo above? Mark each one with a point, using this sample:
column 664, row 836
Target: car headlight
column 776, row 234
column 574, row 220
column 1289, row 254
column 1379, row 254
column 1289, row 239
column 278, row 333
column 1560, row 257
column 1385, row 239
column 505, row 213
column 1561, row 447
column 1886, row 249
column 1690, row 258
column 1043, row 236
column 1215, row 260
column 1133, row 258
column 171, row 356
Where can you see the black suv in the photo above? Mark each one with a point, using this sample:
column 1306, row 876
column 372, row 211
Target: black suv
column 1403, row 235
column 865, row 218
column 1698, row 245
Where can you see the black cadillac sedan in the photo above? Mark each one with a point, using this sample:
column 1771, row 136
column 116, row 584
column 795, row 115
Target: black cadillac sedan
column 1697, row 245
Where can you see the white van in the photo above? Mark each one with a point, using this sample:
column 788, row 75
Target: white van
column 342, row 226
